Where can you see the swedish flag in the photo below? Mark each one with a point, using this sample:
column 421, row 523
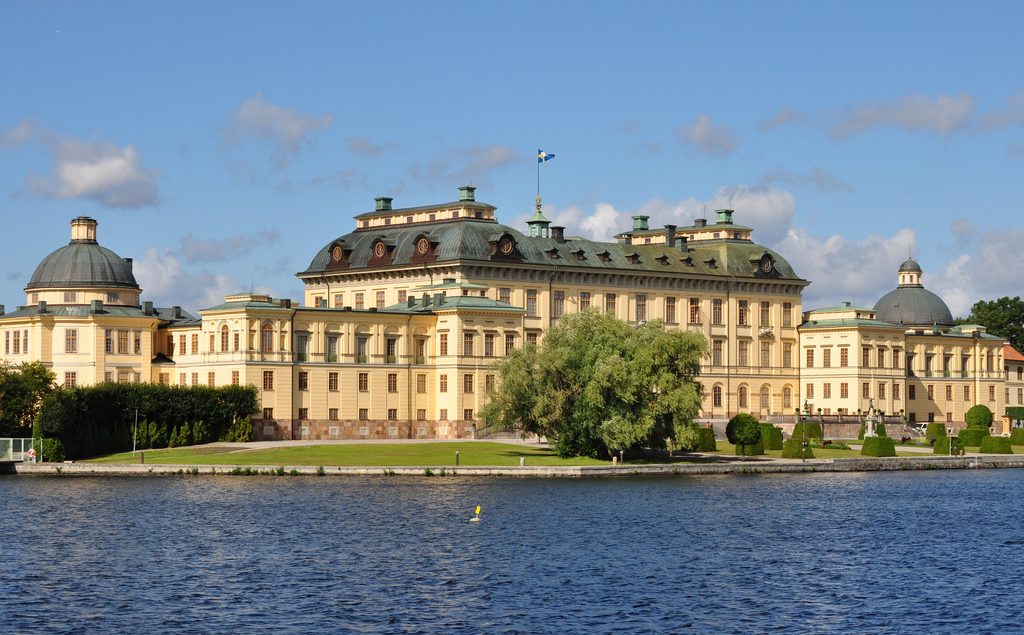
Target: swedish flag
column 544, row 156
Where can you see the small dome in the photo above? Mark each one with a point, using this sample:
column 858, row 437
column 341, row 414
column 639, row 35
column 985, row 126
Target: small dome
column 910, row 266
column 83, row 263
column 913, row 306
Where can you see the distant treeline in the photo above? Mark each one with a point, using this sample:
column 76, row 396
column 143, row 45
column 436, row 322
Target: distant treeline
column 89, row 421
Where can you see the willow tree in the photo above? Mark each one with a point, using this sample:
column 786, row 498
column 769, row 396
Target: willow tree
column 598, row 384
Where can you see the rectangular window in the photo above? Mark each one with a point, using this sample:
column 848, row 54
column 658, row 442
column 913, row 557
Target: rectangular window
column 826, row 390
column 991, row 393
column 391, row 350
column 865, row 390
column 70, row 297
column 421, row 383
column 881, row 390
column 467, row 344
column 865, row 357
column 467, row 414
column 362, row 349
column 716, row 311
column 505, row 295
column 896, row 356
column 420, row 345
column 488, row 344
column 403, row 296
column 743, row 314
column 844, row 357
column 195, row 343
column 122, row 342
column 531, row 338
column 211, row 348
column 332, row 382
column 234, row 378
column 303, row 413
column 364, row 414
column 332, row 348
column 339, row 300
column 809, row 391
column 911, row 392
column 896, row 392
column 826, row 358
column 967, row 394
column 182, row 378
column 641, row 308
column 392, row 414
column 70, row 379
column 931, row 392
column 787, row 314
column 716, row 352
column 558, row 305
column 421, row 415
column 488, row 382
column 787, row 355
column 766, row 354
column 880, row 357
column 359, row 301
column 303, row 380
column 363, row 382
column 443, row 344
column 392, row 382
column 380, row 299
column 442, row 414
column 301, row 347
column 182, row 344
column 670, row 310
column 443, row 383
column 211, row 379
column 844, row 390
column 742, row 353
column 165, row 379
column 268, row 380
column 467, row 383
column 510, row 342
column 949, row 393
column 694, row 317
column 195, row 379
column 609, row 303
column 765, row 314
column 268, row 413
column 332, row 414
column 108, row 341
column 531, row 303
column 584, row 300
column 810, row 358
column 70, row 340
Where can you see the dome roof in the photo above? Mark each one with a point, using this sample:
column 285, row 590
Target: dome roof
column 910, row 266
column 913, row 306
column 83, row 263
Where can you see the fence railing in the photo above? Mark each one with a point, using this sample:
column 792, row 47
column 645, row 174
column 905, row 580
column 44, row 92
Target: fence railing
column 16, row 450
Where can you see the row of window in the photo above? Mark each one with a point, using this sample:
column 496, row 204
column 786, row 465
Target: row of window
column 844, row 391
column 115, row 342
column 16, row 342
column 640, row 303
column 363, row 381
column 364, row 414
column 743, row 357
column 743, row 399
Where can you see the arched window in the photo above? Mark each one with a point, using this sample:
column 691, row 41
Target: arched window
column 766, row 399
column 787, row 397
column 743, row 396
column 267, row 338
column 716, row 396
column 224, row 338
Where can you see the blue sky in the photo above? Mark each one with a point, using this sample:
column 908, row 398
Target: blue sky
column 222, row 144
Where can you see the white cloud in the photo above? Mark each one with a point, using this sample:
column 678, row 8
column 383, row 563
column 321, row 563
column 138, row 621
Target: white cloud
column 103, row 172
column 363, row 147
column 289, row 130
column 783, row 117
column 472, row 164
column 940, row 115
column 707, row 138
column 980, row 273
column 164, row 279
column 819, row 178
column 221, row 249
column 16, row 136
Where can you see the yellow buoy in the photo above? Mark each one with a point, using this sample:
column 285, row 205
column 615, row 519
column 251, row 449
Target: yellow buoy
column 476, row 519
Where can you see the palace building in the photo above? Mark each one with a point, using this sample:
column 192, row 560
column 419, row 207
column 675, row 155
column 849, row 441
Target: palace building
column 405, row 316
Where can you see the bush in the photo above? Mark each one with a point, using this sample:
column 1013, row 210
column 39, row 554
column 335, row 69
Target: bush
column 879, row 430
column 935, row 431
column 94, row 420
column 995, row 445
column 878, row 446
column 755, row 449
column 771, row 437
column 811, row 428
column 942, row 446
column 791, row 449
column 743, row 430
column 1015, row 412
column 707, row 441
column 978, row 417
column 1017, row 436
column 972, row 437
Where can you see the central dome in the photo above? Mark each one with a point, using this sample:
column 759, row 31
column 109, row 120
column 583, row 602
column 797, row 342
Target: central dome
column 83, row 263
column 910, row 304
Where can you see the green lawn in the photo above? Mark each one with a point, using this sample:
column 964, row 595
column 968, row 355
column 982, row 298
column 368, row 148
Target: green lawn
column 384, row 454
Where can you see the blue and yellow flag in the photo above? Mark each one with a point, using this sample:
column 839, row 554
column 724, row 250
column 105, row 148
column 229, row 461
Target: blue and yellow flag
column 544, row 156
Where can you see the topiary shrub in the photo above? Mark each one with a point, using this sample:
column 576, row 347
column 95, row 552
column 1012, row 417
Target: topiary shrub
column 1017, row 436
column 771, row 437
column 878, row 446
column 707, row 441
column 879, row 430
column 971, row 437
column 995, row 445
column 756, row 449
column 791, row 449
column 811, row 428
column 935, row 431
column 743, row 430
column 978, row 417
column 942, row 446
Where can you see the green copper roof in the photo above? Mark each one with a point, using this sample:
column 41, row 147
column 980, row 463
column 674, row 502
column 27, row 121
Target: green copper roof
column 165, row 314
column 449, row 303
column 83, row 264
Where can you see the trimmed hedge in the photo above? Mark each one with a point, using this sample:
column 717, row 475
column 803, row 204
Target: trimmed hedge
column 791, row 450
column 1017, row 436
column 751, row 450
column 771, row 437
column 95, row 420
column 942, row 446
column 972, row 436
column 878, row 446
column 812, row 428
column 879, row 430
column 978, row 416
column 1015, row 412
column 707, row 441
column 935, row 431
column 995, row 445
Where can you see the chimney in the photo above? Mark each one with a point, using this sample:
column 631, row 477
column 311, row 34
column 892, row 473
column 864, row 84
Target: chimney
column 410, row 301
column 640, row 222
column 383, row 203
column 723, row 216
column 670, row 235
column 83, row 230
column 96, row 306
column 2, row 308
column 681, row 244
column 558, row 233
column 467, row 193
column 426, row 299
column 176, row 312
column 42, row 307
column 438, row 299
column 286, row 303
column 147, row 308
column 128, row 263
column 700, row 222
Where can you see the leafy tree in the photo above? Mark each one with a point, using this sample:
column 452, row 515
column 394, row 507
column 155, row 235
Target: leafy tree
column 1003, row 317
column 598, row 385
column 978, row 416
column 743, row 430
column 22, row 389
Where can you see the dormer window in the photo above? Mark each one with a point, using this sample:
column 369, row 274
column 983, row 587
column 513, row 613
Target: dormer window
column 688, row 261
column 553, row 253
column 711, row 262
column 605, row 256
column 633, row 258
column 579, row 254
column 663, row 260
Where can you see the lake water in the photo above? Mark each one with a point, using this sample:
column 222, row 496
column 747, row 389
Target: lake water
column 934, row 552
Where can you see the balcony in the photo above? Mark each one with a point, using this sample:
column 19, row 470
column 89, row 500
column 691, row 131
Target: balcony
column 360, row 359
column 390, row 359
column 420, row 359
